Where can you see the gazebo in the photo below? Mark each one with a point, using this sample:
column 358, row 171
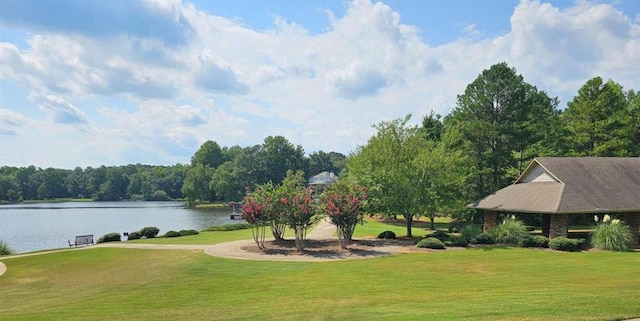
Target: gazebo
column 556, row 187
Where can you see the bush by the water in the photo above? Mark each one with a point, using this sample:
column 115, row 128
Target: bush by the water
column 5, row 249
column 228, row 227
column 483, row 238
column 611, row 235
column 172, row 234
column 534, row 241
column 133, row 236
column 455, row 240
column 188, row 232
column 387, row 235
column 564, row 244
column 109, row 237
column 511, row 231
column 149, row 232
column 430, row 243
column 440, row 235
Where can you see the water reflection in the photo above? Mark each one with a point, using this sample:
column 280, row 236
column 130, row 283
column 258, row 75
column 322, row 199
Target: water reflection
column 30, row 227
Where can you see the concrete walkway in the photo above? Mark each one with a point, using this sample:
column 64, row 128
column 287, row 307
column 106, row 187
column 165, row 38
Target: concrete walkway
column 324, row 230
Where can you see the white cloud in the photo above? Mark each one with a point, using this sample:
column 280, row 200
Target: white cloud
column 471, row 30
column 191, row 116
column 217, row 75
column 62, row 111
column 356, row 80
column 564, row 48
column 154, row 97
column 11, row 123
column 101, row 19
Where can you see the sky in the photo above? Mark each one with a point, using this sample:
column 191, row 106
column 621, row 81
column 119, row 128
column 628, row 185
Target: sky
column 93, row 82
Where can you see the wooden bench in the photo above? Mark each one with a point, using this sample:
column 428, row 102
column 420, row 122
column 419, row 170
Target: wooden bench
column 82, row 240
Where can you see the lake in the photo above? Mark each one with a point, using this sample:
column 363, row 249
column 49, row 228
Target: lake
column 39, row 226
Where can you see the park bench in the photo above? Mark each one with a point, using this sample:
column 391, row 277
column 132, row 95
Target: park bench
column 82, row 240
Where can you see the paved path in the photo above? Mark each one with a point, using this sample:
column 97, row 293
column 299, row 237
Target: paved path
column 323, row 230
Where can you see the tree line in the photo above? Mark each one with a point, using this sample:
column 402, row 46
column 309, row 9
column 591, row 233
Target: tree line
column 133, row 182
column 215, row 174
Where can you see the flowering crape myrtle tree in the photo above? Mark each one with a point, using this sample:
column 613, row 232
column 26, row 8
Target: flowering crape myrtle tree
column 272, row 209
column 300, row 214
column 253, row 213
column 343, row 204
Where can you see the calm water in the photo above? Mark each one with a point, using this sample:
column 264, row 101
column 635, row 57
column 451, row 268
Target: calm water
column 31, row 227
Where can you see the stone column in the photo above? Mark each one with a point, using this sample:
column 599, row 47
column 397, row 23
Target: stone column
column 490, row 221
column 546, row 224
column 633, row 220
column 558, row 226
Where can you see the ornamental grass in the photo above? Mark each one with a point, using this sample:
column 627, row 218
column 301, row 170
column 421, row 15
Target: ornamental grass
column 611, row 235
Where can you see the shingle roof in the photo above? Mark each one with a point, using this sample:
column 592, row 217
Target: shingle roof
column 323, row 178
column 580, row 185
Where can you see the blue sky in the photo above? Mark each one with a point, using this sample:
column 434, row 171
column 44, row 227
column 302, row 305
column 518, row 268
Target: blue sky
column 86, row 83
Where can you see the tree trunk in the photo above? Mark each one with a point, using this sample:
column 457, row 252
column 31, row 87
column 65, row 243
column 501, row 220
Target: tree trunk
column 277, row 229
column 432, row 218
column 409, row 219
column 300, row 237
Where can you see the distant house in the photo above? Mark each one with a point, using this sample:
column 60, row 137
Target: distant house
column 322, row 180
column 556, row 187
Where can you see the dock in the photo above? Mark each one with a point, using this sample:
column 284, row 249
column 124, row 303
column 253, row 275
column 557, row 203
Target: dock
column 236, row 216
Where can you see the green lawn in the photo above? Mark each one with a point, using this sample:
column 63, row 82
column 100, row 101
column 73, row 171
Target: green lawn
column 477, row 284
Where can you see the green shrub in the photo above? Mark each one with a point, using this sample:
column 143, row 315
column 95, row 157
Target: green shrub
column 612, row 236
column 228, row 227
column 188, row 232
column 455, row 240
column 387, row 235
column 431, row 243
column 509, row 232
column 5, row 249
column 470, row 231
column 440, row 235
column 564, row 244
column 483, row 238
column 133, row 236
column 109, row 237
column 534, row 241
column 172, row 234
column 149, row 232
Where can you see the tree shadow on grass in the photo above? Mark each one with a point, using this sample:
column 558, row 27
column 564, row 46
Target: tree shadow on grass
column 415, row 224
column 491, row 247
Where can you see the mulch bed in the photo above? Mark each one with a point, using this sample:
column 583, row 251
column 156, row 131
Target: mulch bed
column 329, row 248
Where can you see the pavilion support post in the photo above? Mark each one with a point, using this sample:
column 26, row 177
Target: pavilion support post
column 490, row 221
column 559, row 226
column 546, row 224
column 633, row 220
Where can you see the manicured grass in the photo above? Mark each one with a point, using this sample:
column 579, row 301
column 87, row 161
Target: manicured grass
column 202, row 238
column 212, row 205
column 479, row 284
column 488, row 283
column 373, row 227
